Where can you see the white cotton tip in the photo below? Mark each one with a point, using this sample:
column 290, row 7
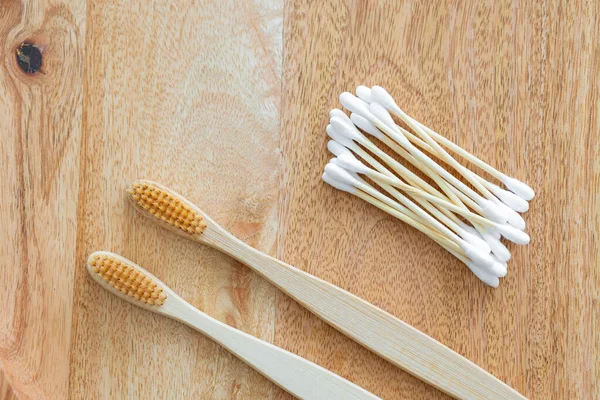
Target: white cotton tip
column 498, row 248
column 340, row 174
column 366, row 125
column 338, row 185
column 382, row 96
column 500, row 268
column 509, row 198
column 336, row 112
column 350, row 163
column 346, row 129
column 336, row 148
column 519, row 188
column 512, row 217
column 492, row 212
column 516, row 221
column 354, row 104
column 475, row 240
column 496, row 269
column 341, row 139
column 357, row 177
column 469, row 228
column 364, row 93
column 382, row 114
column 477, row 256
column 493, row 232
column 514, row 235
column 485, row 276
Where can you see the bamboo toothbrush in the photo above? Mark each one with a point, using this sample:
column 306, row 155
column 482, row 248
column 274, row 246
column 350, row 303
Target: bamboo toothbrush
column 292, row 373
column 377, row 330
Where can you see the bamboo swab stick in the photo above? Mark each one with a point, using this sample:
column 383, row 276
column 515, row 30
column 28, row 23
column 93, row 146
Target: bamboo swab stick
column 512, row 234
column 497, row 247
column 354, row 104
column 508, row 198
column 519, row 188
column 493, row 208
column 488, row 276
column 479, row 257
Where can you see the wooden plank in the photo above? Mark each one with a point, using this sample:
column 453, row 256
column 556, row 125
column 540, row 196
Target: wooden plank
column 6, row 390
column 40, row 121
column 515, row 83
column 187, row 94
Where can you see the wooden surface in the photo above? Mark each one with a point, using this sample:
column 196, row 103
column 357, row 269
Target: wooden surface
column 149, row 90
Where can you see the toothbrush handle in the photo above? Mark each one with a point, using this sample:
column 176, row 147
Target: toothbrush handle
column 377, row 330
column 291, row 372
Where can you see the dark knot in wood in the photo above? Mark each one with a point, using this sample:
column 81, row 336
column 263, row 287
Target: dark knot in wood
column 29, row 58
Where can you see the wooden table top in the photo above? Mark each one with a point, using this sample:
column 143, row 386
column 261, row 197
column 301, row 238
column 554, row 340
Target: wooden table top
column 227, row 103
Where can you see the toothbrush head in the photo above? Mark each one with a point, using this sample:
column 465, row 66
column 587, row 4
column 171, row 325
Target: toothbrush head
column 153, row 200
column 119, row 275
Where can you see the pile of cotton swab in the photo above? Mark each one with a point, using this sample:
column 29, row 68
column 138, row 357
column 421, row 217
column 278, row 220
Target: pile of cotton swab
column 468, row 221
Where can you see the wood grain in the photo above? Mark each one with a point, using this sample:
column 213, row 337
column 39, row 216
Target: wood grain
column 40, row 121
column 6, row 390
column 514, row 82
column 163, row 81
column 148, row 89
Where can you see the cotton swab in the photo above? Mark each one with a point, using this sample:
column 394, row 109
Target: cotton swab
column 474, row 253
column 510, row 233
column 519, row 188
column 497, row 247
column 343, row 154
column 355, row 105
column 393, row 210
column 480, row 261
column 500, row 213
column 350, row 132
column 440, row 209
column 486, row 274
column 481, row 246
column 511, row 216
column 508, row 198
column 348, row 162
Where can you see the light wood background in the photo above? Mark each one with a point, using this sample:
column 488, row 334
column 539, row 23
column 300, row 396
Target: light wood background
column 227, row 103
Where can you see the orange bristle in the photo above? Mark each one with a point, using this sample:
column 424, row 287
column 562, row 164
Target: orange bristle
column 167, row 207
column 127, row 279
